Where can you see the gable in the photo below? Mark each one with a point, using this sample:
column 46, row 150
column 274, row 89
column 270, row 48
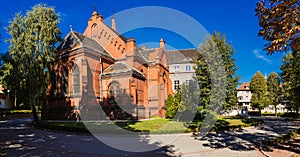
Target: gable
column 69, row 42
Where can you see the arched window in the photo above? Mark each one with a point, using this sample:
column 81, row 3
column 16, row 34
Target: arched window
column 114, row 90
column 76, row 80
column 64, row 82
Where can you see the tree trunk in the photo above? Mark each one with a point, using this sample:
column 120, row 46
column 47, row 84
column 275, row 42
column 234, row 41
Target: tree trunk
column 15, row 101
column 33, row 109
column 259, row 112
column 275, row 110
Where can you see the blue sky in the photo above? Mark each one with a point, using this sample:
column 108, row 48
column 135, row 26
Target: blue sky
column 235, row 18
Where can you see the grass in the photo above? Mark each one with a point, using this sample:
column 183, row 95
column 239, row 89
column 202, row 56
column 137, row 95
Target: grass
column 155, row 125
column 12, row 111
column 229, row 123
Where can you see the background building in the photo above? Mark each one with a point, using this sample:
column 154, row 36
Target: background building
column 244, row 100
column 244, row 96
column 181, row 66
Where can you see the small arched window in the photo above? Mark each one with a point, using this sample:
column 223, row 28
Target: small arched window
column 76, row 80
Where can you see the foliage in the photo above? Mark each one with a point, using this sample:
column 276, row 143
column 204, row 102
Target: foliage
column 291, row 76
column 173, row 104
column 32, row 49
column 209, row 65
column 259, row 91
column 184, row 103
column 189, row 100
column 279, row 21
column 170, row 107
column 274, row 92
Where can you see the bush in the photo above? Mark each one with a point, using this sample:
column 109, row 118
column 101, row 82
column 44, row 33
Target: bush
column 290, row 114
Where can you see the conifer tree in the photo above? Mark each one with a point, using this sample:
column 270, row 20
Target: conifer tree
column 216, row 44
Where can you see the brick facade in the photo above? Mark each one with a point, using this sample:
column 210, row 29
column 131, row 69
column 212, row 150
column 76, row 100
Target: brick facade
column 102, row 70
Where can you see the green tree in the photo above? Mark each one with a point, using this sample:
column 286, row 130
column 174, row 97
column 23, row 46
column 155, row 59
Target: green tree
column 216, row 44
column 259, row 90
column 291, row 80
column 170, row 107
column 274, row 93
column 173, row 104
column 189, row 100
column 32, row 49
column 280, row 24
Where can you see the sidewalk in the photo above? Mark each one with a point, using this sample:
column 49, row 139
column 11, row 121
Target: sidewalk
column 290, row 148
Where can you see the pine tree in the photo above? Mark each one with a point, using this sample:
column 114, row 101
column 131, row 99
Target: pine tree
column 222, row 69
column 259, row 90
column 32, row 49
column 273, row 84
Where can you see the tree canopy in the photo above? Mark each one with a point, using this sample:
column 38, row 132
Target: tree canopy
column 290, row 74
column 32, row 49
column 280, row 24
column 259, row 90
column 274, row 92
column 211, row 67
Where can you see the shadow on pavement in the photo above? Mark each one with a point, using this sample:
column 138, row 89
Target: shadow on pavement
column 248, row 138
column 19, row 139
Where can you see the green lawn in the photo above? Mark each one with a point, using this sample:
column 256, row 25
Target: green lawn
column 155, row 126
column 13, row 111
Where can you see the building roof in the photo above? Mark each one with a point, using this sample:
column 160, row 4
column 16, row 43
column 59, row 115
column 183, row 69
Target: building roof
column 74, row 39
column 121, row 67
column 181, row 56
column 151, row 54
column 245, row 86
column 122, row 37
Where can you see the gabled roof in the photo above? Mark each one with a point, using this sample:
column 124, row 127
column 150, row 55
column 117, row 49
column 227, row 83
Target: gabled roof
column 181, row 56
column 76, row 39
column 121, row 67
column 245, row 86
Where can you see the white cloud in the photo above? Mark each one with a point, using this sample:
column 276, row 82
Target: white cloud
column 259, row 56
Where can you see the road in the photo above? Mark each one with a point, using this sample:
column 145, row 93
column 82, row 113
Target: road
column 18, row 138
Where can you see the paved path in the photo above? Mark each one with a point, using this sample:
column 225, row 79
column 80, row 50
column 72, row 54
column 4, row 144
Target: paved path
column 17, row 138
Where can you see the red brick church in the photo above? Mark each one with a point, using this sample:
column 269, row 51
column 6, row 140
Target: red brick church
column 101, row 70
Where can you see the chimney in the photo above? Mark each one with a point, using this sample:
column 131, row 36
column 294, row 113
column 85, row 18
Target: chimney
column 162, row 44
column 144, row 47
column 131, row 47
